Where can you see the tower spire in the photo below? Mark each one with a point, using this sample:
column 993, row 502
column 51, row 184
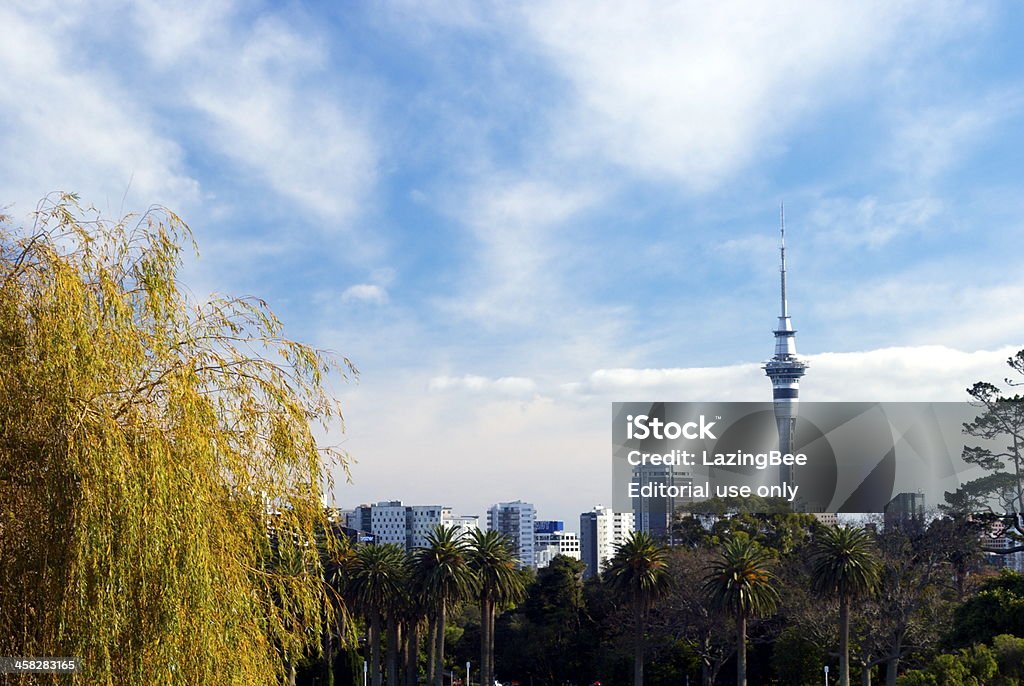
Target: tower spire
column 782, row 255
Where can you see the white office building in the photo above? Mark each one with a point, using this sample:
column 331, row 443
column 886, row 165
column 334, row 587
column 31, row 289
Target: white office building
column 602, row 530
column 548, row 545
column 465, row 524
column 516, row 520
column 422, row 520
column 391, row 521
column 388, row 522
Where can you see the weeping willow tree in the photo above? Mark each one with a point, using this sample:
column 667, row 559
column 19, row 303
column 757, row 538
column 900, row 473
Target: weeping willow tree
column 160, row 484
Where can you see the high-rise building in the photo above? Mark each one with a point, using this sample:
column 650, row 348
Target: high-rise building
column 602, row 530
column 516, row 520
column 551, row 539
column 903, row 510
column 785, row 368
column 655, row 515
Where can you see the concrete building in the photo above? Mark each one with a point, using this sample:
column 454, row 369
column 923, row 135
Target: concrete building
column 551, row 539
column 422, row 520
column 827, row 518
column 391, row 521
column 388, row 522
column 466, row 523
column 602, row 530
column 516, row 520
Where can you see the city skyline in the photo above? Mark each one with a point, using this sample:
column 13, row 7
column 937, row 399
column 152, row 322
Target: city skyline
column 509, row 218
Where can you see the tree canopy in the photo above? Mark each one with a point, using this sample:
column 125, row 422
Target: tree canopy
column 1000, row 425
column 160, row 483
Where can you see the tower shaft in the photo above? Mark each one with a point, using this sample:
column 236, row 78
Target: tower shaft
column 784, row 368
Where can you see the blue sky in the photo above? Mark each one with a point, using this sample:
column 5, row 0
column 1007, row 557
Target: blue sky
column 510, row 215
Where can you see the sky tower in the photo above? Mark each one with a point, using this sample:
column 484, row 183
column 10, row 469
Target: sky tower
column 785, row 368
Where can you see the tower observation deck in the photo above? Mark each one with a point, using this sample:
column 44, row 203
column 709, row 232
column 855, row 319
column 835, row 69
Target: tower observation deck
column 784, row 368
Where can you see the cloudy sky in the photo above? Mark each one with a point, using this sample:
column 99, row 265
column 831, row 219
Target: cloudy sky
column 510, row 215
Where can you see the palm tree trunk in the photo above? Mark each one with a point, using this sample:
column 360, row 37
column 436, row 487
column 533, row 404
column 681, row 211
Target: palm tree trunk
column 394, row 636
column 375, row 648
column 865, row 675
column 412, row 656
column 741, row 650
column 485, row 639
column 844, row 641
column 439, row 648
column 638, row 646
column 491, row 652
column 431, row 643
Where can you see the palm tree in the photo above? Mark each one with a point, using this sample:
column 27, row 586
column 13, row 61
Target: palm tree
column 445, row 578
column 337, row 554
column 638, row 573
column 414, row 614
column 844, row 564
column 498, row 583
column 376, row 582
column 741, row 583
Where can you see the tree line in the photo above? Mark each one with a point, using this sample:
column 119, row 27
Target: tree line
column 758, row 599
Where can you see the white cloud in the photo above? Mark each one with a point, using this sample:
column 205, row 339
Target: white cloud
column 696, row 92
column 260, row 88
column 365, row 292
column 933, row 303
column 928, row 141
column 871, row 222
column 734, row 382
column 70, row 127
column 505, row 385
column 918, row 373
column 926, row 372
column 520, row 251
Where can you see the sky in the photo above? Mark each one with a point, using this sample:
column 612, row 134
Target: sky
column 510, row 215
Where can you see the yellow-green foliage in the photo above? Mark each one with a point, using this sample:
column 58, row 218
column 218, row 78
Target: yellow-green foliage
column 160, row 486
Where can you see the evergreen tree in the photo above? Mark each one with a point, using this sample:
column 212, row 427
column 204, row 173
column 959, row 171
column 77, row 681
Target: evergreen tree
column 741, row 583
column 846, row 566
column 639, row 575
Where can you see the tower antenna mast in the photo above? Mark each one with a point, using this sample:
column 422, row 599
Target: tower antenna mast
column 782, row 254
